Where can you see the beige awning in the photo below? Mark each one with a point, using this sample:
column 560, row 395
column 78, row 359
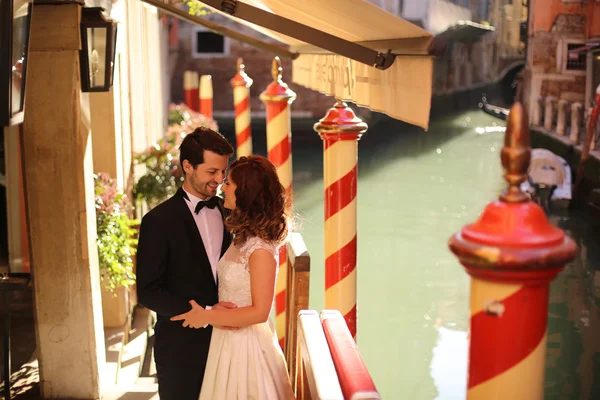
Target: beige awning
column 402, row 91
column 465, row 32
column 339, row 42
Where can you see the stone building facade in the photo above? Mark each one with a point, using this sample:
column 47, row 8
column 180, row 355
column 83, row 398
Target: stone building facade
column 222, row 66
column 464, row 66
column 560, row 52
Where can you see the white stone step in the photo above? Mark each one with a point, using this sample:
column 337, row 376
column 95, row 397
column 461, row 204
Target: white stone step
column 114, row 342
column 142, row 389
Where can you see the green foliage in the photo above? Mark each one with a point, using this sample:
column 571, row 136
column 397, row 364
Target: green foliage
column 196, row 8
column 177, row 115
column 163, row 174
column 116, row 234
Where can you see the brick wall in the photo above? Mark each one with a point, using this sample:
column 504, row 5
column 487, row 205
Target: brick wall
column 567, row 90
column 547, row 51
column 222, row 69
column 545, row 12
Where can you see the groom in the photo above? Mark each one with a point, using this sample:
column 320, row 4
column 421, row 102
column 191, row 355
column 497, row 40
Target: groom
column 180, row 243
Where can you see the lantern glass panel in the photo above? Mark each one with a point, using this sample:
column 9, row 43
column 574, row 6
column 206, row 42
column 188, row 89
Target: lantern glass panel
column 114, row 49
column 20, row 37
column 96, row 47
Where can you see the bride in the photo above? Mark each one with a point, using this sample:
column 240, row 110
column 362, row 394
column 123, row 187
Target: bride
column 247, row 363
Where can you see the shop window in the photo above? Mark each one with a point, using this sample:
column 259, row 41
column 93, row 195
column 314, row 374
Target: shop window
column 575, row 61
column 571, row 57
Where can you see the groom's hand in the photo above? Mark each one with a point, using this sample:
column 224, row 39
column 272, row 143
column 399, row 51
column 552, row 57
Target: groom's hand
column 192, row 318
column 225, row 305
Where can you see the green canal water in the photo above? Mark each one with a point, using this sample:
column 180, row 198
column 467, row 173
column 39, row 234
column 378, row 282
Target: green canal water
column 415, row 190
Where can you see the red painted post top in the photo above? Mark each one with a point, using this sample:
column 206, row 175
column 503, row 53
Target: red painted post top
column 340, row 121
column 513, row 241
column 241, row 78
column 277, row 90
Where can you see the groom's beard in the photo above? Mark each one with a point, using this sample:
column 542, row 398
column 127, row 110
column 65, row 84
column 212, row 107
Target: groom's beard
column 204, row 189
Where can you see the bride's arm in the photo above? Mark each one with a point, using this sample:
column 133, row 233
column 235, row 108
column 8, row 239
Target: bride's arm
column 262, row 281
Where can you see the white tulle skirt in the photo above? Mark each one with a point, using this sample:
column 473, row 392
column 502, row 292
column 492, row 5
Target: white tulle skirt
column 246, row 364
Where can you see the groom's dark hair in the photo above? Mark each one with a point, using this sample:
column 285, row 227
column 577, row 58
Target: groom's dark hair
column 193, row 145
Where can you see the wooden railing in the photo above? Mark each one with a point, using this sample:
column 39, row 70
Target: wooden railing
column 298, row 285
column 316, row 377
column 322, row 357
column 353, row 375
column 330, row 366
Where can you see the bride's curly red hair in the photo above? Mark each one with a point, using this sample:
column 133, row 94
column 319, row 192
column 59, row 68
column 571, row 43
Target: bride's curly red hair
column 262, row 208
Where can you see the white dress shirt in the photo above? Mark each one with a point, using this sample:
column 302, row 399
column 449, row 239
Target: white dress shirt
column 210, row 225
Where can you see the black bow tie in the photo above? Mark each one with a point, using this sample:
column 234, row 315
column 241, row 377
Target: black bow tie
column 210, row 203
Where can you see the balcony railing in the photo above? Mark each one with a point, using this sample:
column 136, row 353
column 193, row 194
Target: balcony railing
column 323, row 359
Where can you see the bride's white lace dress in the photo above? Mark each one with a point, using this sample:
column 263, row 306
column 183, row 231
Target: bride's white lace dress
column 246, row 363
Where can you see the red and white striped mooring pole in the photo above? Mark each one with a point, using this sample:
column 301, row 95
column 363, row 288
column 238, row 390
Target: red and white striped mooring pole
column 512, row 253
column 278, row 98
column 190, row 90
column 340, row 130
column 241, row 83
column 206, row 96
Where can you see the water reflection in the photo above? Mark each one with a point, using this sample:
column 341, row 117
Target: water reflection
column 573, row 361
column 448, row 367
column 415, row 190
column 490, row 129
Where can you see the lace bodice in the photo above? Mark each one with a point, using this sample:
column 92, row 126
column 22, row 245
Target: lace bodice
column 234, row 273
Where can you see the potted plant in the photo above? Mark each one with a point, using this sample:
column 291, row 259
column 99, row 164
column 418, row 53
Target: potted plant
column 116, row 241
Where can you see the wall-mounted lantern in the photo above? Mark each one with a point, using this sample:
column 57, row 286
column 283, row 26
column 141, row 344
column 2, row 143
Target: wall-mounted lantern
column 15, row 21
column 97, row 56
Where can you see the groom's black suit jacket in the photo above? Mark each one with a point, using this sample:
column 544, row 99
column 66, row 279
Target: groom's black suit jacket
column 172, row 269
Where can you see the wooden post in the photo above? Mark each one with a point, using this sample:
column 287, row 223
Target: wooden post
column 512, row 253
column 59, row 192
column 341, row 130
column 298, row 283
column 241, row 83
column 588, row 141
column 278, row 98
column 206, row 96
column 319, row 379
